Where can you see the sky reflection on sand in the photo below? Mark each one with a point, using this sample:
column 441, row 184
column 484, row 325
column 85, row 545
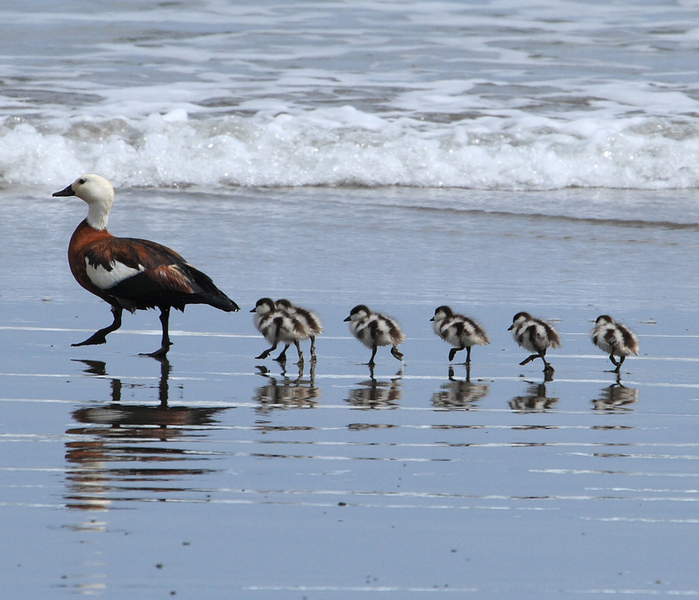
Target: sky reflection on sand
column 214, row 472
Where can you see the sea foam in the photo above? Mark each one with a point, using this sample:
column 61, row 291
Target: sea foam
column 494, row 95
column 347, row 147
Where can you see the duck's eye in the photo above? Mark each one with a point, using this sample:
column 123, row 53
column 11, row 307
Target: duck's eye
column 82, row 180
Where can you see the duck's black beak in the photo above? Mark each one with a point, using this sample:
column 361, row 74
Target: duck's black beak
column 66, row 192
column 347, row 319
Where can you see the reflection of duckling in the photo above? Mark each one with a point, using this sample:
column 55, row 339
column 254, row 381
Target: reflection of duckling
column 459, row 331
column 534, row 401
column 536, row 336
column 376, row 394
column 309, row 321
column 616, row 397
column 288, row 393
column 459, row 393
column 615, row 339
column 277, row 326
column 374, row 330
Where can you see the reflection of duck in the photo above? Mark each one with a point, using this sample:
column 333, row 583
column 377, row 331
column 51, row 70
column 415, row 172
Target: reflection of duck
column 616, row 397
column 459, row 393
column 111, row 435
column 376, row 394
column 117, row 414
column 534, row 401
column 287, row 392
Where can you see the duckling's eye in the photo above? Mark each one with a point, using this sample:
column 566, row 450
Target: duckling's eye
column 82, row 180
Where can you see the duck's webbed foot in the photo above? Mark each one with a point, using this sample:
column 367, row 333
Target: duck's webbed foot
column 100, row 337
column 160, row 352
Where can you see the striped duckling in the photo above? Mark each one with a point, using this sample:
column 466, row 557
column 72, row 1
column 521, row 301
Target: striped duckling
column 615, row 339
column 459, row 331
column 374, row 330
column 534, row 335
column 307, row 319
column 277, row 327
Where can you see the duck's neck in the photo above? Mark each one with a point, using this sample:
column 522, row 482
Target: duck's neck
column 97, row 217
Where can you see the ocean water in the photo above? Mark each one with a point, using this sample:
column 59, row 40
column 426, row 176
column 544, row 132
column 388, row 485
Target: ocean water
column 496, row 156
column 485, row 95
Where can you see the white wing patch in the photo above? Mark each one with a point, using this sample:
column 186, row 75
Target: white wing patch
column 105, row 279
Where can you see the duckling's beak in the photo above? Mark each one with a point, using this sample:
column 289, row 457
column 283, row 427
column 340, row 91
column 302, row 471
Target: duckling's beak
column 347, row 319
column 254, row 309
column 511, row 327
column 65, row 192
column 432, row 319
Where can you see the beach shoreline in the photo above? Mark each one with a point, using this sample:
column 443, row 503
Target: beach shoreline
column 245, row 453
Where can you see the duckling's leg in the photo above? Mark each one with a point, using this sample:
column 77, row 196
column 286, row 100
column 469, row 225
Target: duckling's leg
column 166, row 343
column 397, row 353
column 547, row 365
column 277, row 327
column 616, row 364
column 371, row 362
column 548, row 369
column 267, row 352
column 548, row 372
column 298, row 348
column 313, row 348
column 453, row 351
column 282, row 357
column 529, row 359
column 100, row 337
column 468, row 355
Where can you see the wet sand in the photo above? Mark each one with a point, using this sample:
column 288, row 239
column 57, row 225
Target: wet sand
column 213, row 475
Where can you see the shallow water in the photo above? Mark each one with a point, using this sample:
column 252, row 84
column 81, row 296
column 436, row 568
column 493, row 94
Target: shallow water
column 216, row 475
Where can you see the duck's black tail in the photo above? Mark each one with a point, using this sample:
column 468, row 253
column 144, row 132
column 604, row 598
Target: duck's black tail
column 210, row 294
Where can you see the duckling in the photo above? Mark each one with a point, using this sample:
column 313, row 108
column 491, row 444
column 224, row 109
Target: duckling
column 374, row 330
column 614, row 339
column 459, row 331
column 534, row 335
column 309, row 321
column 276, row 326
